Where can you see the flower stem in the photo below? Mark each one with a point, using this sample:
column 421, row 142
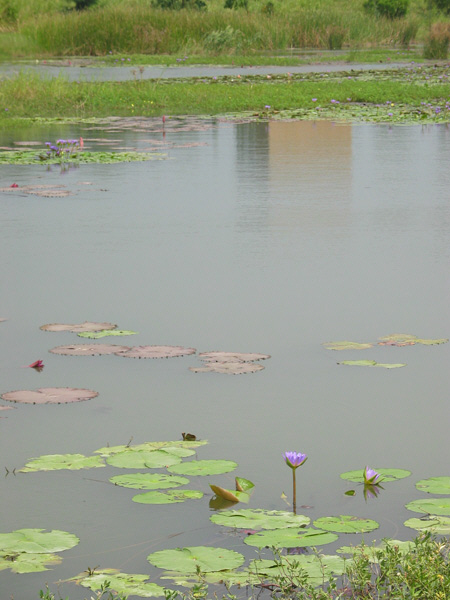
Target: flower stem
column 294, row 493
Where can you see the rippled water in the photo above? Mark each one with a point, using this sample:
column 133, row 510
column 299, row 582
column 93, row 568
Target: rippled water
column 262, row 237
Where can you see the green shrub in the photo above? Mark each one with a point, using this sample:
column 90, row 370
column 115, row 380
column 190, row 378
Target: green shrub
column 9, row 11
column 437, row 44
column 236, row 4
column 268, row 8
column 443, row 5
column 224, row 39
column 335, row 37
column 82, row 4
column 392, row 9
column 179, row 4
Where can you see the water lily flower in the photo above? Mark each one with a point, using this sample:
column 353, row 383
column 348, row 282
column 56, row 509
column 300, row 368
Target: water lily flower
column 14, row 185
column 38, row 364
column 371, row 477
column 371, row 491
column 294, row 459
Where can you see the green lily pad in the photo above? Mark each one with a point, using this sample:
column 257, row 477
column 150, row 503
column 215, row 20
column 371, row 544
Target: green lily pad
column 206, row 558
column 122, row 583
column 346, row 346
column 37, row 541
column 371, row 363
column 434, row 485
column 56, row 462
column 238, row 578
column 398, row 339
column 431, row 506
column 170, row 497
column 372, row 551
column 243, row 485
column 230, row 495
column 431, row 342
column 30, row 157
column 186, row 445
column 259, row 519
column 346, row 524
column 290, row 537
column 203, row 467
column 434, row 524
column 27, row 563
column 318, row 567
column 105, row 333
column 138, row 459
column 386, row 475
column 148, row 481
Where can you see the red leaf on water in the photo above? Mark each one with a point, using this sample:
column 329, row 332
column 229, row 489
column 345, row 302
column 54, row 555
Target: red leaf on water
column 37, row 364
column 14, row 185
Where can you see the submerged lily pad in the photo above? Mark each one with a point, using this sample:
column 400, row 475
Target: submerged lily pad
column 431, row 506
column 138, row 459
column 437, row 525
column 155, row 352
column 56, row 462
column 50, row 395
column 434, row 485
column 229, row 368
column 290, row 537
column 386, row 475
column 37, row 541
column 259, row 519
column 204, row 467
column 25, row 562
column 148, row 481
column 105, row 333
column 86, row 326
column 88, row 349
column 122, row 583
column 346, row 345
column 170, row 497
column 371, row 363
column 346, row 524
column 187, row 560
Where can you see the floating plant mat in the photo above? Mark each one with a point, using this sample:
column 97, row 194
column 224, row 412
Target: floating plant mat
column 431, row 506
column 88, row 349
column 259, row 519
column 188, row 560
column 290, row 537
column 371, row 363
column 385, row 475
column 434, row 485
column 436, row 525
column 29, row 157
column 81, row 327
column 148, row 481
column 170, row 497
column 346, row 524
column 105, row 333
column 231, row 363
column 50, row 395
column 204, row 467
column 122, row 583
column 57, row 462
column 155, row 351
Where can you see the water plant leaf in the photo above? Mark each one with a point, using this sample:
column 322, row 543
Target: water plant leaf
column 56, row 462
column 170, row 497
column 25, row 562
column 29, row 157
column 88, row 349
column 239, row 578
column 203, row 467
column 105, row 333
column 290, row 537
column 228, row 368
column 398, row 339
column 243, row 485
column 318, row 567
column 437, row 525
column 187, row 560
column 386, row 475
column 155, row 352
column 431, row 506
column 231, row 496
column 232, row 357
column 434, row 485
column 350, row 493
column 138, row 459
column 371, row 363
column 188, row 446
column 431, row 342
column 81, row 327
column 148, row 481
column 259, row 519
column 37, row 541
column 346, row 524
column 372, row 551
column 346, row 345
column 50, row 395
column 122, row 583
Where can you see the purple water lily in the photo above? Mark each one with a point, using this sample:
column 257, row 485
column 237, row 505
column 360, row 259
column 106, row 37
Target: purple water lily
column 294, row 459
column 371, row 477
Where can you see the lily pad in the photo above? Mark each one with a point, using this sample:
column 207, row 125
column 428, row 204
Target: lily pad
column 431, row 342
column 371, row 363
column 437, row 525
column 231, row 357
column 372, row 551
column 121, row 583
column 155, row 352
column 386, row 475
column 398, row 339
column 170, row 497
column 81, row 327
column 187, row 446
column 431, row 506
column 259, row 519
column 434, row 485
column 37, row 541
column 187, row 560
column 346, row 345
column 29, row 157
column 228, row 368
column 290, row 537
column 148, row 481
column 56, row 462
column 243, row 485
column 346, row 524
column 88, row 349
column 318, row 567
column 230, row 495
column 138, row 459
column 203, row 467
column 27, row 563
column 50, row 395
column 229, row 578
column 105, row 333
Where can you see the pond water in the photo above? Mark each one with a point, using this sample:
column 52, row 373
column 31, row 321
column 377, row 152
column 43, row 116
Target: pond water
column 253, row 237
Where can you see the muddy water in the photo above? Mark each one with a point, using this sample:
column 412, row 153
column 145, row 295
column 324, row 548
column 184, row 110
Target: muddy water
column 269, row 238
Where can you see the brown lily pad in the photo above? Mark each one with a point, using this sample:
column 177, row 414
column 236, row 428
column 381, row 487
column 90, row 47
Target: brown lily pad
column 51, row 193
column 86, row 326
column 6, row 407
column 231, row 357
column 230, row 368
column 88, row 349
column 49, row 396
column 155, row 351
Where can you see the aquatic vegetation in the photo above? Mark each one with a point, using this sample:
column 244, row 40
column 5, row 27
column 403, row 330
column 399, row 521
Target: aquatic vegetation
column 385, row 474
column 231, row 363
column 294, row 460
column 290, row 537
column 62, row 151
column 242, row 493
column 139, row 459
column 430, row 506
column 148, row 481
column 371, row 477
column 105, row 333
column 88, row 349
column 258, row 518
column 371, row 363
column 434, row 485
column 190, row 559
column 29, row 157
column 155, row 352
column 121, row 583
column 346, row 524
column 81, row 327
column 56, row 462
column 203, row 467
column 49, row 395
column 170, row 497
column 434, row 524
column 346, row 345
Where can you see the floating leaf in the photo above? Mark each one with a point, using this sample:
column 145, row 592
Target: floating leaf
column 204, row 467
column 259, row 519
column 405, row 339
column 386, row 475
column 346, row 524
column 121, row 583
column 290, row 537
column 88, row 349
column 431, row 506
column 27, row 563
column 231, row 357
column 431, row 342
column 7, row 407
column 86, row 326
column 187, row 560
column 37, row 541
column 318, row 567
column 231, row 496
column 434, row 485
column 148, row 481
column 243, row 485
column 350, row 493
column 371, row 363
column 346, row 346
column 228, row 368
column 372, row 551
column 170, row 497
column 138, row 459
column 155, row 352
column 56, row 462
column 186, row 445
column 239, row 578
column 50, row 395
column 105, row 333
column 434, row 524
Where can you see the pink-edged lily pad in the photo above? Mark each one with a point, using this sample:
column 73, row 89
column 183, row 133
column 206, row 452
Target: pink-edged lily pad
column 88, row 349
column 6, row 407
column 230, row 368
column 49, row 395
column 155, row 351
column 86, row 326
column 232, row 357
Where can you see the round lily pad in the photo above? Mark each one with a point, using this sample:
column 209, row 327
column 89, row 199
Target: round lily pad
column 170, row 497
column 187, row 560
column 50, row 395
column 203, row 467
column 434, row 485
column 346, row 524
column 232, row 357
column 184, row 448
column 138, row 459
column 371, row 363
column 88, row 349
column 437, row 525
column 290, row 537
column 346, row 345
column 94, row 335
column 148, row 481
column 86, row 326
column 155, row 352
column 259, row 519
column 371, row 551
column 317, row 567
column 398, row 339
column 229, row 368
column 431, row 506
column 128, row 584
column 37, row 541
column 25, row 562
column 386, row 475
column 56, row 462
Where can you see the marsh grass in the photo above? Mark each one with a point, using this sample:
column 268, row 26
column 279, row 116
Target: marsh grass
column 437, row 43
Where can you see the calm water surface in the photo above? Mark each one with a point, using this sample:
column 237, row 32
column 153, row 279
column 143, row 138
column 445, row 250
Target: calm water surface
column 269, row 238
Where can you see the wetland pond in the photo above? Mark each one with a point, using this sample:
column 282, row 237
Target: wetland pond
column 272, row 238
